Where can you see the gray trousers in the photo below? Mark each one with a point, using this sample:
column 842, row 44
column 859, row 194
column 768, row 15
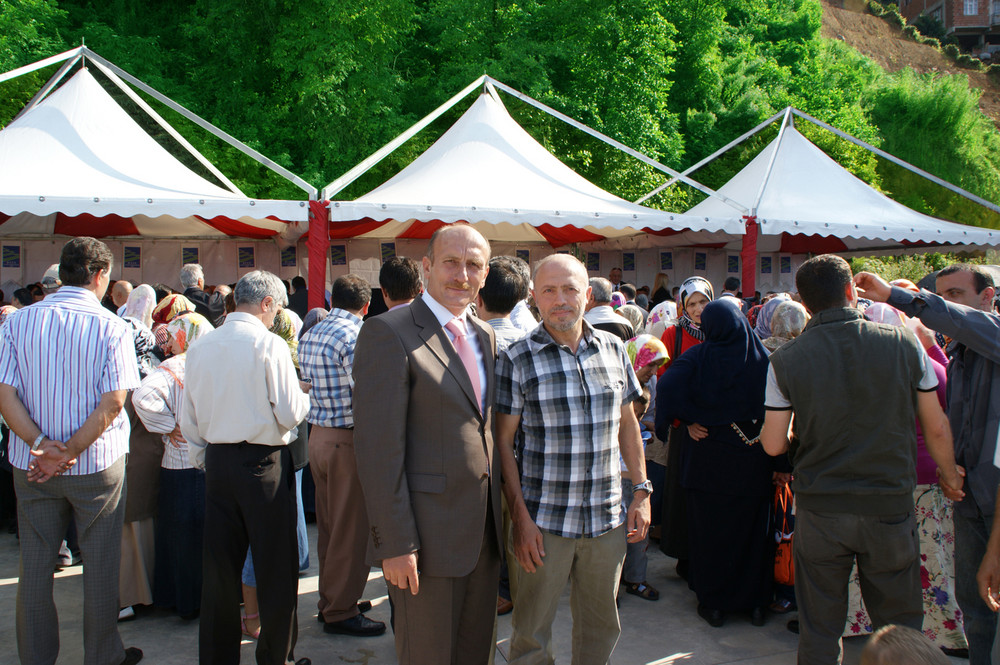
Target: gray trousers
column 826, row 545
column 95, row 502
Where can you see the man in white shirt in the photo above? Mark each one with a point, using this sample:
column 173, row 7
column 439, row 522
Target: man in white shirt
column 242, row 401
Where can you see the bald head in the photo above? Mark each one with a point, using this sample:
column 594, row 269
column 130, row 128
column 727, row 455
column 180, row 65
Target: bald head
column 455, row 266
column 564, row 261
column 120, row 292
column 468, row 234
column 561, row 291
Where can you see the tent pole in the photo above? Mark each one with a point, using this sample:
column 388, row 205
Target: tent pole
column 615, row 144
column 717, row 153
column 343, row 181
column 785, row 122
column 204, row 124
column 318, row 246
column 45, row 89
column 748, row 256
column 27, row 69
column 899, row 162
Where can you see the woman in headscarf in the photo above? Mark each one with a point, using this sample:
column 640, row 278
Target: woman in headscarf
column 788, row 321
column 647, row 353
column 762, row 326
column 717, row 390
column 142, row 469
column 166, row 311
column 138, row 313
column 181, row 516
column 313, row 316
column 695, row 294
column 943, row 623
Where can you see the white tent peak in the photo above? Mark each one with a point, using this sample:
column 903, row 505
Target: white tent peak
column 80, row 142
column 487, row 170
column 802, row 190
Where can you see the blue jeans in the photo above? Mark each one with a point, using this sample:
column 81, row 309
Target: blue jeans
column 634, row 568
column 971, row 535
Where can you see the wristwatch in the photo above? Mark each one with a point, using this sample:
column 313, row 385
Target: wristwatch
column 646, row 486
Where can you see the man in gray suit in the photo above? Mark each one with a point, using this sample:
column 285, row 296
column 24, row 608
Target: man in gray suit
column 423, row 400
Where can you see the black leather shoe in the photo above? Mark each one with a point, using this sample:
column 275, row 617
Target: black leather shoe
column 713, row 617
column 132, row 656
column 363, row 606
column 757, row 616
column 359, row 626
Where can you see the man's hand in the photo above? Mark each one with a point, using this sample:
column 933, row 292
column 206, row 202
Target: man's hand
column 697, row 432
column 528, row 545
column 305, row 386
column 50, row 459
column 952, row 487
column 872, row 286
column 401, row 571
column 177, row 439
column 638, row 517
column 988, row 579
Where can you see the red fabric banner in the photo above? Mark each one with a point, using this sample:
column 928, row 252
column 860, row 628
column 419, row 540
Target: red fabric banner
column 318, row 246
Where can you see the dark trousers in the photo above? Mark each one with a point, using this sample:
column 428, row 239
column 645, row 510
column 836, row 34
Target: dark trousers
column 982, row 629
column 249, row 501
column 826, row 545
column 452, row 620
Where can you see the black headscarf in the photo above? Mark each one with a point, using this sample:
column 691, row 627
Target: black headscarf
column 722, row 380
column 313, row 316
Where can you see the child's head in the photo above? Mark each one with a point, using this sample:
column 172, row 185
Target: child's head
column 899, row 645
column 641, row 403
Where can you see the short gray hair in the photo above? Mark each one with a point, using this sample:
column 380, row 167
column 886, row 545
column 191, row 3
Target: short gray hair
column 190, row 274
column 254, row 286
column 600, row 289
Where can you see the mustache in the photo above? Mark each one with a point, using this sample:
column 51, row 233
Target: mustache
column 458, row 285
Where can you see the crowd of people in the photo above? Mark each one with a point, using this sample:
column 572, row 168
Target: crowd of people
column 487, row 435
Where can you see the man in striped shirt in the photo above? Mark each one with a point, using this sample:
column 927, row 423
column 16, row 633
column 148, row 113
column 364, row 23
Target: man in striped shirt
column 66, row 366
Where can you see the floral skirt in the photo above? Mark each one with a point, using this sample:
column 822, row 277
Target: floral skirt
column 942, row 618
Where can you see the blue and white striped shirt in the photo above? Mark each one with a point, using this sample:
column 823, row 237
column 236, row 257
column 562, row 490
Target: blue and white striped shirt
column 326, row 358
column 61, row 355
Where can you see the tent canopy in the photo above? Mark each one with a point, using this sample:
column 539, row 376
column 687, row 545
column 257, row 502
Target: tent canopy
column 488, row 171
column 77, row 164
column 809, row 203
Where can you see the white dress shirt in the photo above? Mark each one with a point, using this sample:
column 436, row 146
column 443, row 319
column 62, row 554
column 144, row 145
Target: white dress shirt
column 240, row 385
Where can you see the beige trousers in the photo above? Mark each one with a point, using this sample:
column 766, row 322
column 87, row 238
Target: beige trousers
column 593, row 567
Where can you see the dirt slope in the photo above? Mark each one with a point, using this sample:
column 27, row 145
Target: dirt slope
column 886, row 45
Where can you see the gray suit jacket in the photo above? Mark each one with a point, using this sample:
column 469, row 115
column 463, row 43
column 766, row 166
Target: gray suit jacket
column 424, row 451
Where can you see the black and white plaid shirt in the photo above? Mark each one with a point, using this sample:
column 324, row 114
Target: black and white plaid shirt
column 570, row 406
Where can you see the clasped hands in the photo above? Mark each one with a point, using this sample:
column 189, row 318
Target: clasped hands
column 51, row 458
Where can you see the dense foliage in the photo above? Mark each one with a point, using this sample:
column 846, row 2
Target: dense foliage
column 318, row 85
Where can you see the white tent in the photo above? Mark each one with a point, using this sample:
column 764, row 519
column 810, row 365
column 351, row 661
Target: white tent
column 490, row 172
column 77, row 157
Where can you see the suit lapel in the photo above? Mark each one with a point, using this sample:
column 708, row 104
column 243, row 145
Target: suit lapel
column 437, row 341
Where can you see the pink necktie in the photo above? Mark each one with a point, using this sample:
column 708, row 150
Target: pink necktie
column 468, row 355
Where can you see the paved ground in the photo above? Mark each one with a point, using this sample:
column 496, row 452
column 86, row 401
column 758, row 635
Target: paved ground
column 653, row 633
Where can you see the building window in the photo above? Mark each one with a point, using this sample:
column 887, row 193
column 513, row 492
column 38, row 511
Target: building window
column 971, row 7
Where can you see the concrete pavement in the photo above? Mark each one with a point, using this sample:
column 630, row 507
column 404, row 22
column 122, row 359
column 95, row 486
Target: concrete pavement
column 664, row 632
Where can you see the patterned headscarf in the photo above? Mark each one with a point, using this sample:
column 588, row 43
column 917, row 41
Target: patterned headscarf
column 285, row 329
column 170, row 307
column 787, row 323
column 643, row 350
column 140, row 304
column 693, row 285
column 661, row 316
column 6, row 311
column 881, row 313
column 617, row 299
column 186, row 329
column 763, row 324
column 634, row 316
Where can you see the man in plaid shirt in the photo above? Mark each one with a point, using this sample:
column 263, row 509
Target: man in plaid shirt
column 569, row 387
column 326, row 356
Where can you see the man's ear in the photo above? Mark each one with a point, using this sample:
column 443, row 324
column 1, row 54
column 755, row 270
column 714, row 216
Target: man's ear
column 364, row 310
column 987, row 296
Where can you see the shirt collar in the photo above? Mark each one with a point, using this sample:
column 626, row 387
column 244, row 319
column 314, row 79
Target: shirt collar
column 344, row 314
column 245, row 318
column 76, row 292
column 442, row 313
column 540, row 338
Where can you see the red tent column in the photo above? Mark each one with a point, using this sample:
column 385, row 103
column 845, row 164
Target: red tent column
column 748, row 256
column 318, row 246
